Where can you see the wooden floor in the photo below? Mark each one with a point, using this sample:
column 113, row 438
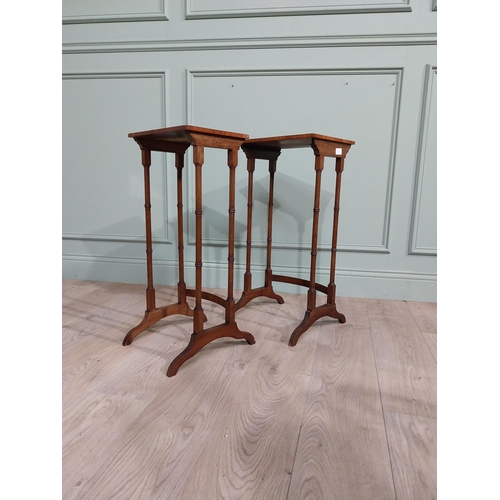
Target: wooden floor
column 349, row 413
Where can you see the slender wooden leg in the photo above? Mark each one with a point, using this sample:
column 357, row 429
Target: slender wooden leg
column 311, row 293
column 267, row 290
column 329, row 309
column 198, row 158
column 181, row 285
column 339, row 167
column 232, row 162
column 200, row 337
column 150, row 291
column 247, row 279
column 153, row 314
column 268, row 278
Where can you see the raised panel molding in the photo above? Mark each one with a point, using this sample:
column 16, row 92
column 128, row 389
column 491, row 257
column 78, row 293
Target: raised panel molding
column 215, row 9
column 395, row 40
column 425, row 114
column 112, row 237
column 109, row 11
column 374, row 248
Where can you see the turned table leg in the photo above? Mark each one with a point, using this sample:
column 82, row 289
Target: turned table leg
column 269, row 148
column 311, row 293
column 247, row 279
column 200, row 337
column 330, row 297
column 268, row 278
column 314, row 313
column 154, row 314
column 149, row 316
column 267, row 290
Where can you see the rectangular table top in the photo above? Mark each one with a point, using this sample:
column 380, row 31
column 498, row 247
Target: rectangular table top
column 178, row 139
column 292, row 141
column 182, row 133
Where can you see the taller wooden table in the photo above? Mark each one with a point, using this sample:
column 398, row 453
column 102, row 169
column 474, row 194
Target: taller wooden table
column 177, row 140
column 269, row 148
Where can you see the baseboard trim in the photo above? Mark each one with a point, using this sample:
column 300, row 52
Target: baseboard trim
column 389, row 285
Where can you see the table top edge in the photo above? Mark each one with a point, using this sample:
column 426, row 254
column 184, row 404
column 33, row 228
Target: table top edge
column 290, row 141
column 175, row 131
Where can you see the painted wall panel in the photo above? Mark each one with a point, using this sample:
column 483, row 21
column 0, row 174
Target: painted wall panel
column 102, row 173
column 92, row 11
column 245, row 8
column 369, row 78
column 355, row 104
column 424, row 216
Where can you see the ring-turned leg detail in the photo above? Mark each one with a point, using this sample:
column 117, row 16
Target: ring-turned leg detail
column 201, row 337
column 250, row 293
column 153, row 313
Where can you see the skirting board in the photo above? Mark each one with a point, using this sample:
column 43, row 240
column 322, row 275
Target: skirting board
column 350, row 283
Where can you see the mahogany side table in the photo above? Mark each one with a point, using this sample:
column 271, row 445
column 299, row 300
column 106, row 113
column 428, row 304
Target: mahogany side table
column 177, row 140
column 269, row 148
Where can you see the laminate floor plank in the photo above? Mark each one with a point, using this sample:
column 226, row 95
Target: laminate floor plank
column 138, row 370
column 99, row 332
column 157, row 453
column 77, row 299
column 92, row 424
column 275, row 322
column 425, row 314
column 108, row 312
column 412, row 443
column 354, row 309
column 342, row 450
column 241, row 421
column 73, row 289
column 251, row 455
column 405, row 366
column 431, row 341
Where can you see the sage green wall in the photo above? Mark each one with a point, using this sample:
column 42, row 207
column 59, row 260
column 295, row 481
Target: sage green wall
column 363, row 70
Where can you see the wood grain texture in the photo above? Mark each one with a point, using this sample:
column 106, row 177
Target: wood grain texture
column 92, row 329
column 425, row 314
column 431, row 341
column 251, row 456
column 342, row 451
column 274, row 321
column 157, row 452
column 405, row 366
column 412, row 443
column 92, row 423
column 73, row 289
column 246, row 422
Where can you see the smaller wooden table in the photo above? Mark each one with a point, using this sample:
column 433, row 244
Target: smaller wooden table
column 177, row 140
column 269, row 148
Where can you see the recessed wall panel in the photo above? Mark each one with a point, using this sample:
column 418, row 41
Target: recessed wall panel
column 251, row 8
column 361, row 105
column 424, row 216
column 89, row 11
column 103, row 194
